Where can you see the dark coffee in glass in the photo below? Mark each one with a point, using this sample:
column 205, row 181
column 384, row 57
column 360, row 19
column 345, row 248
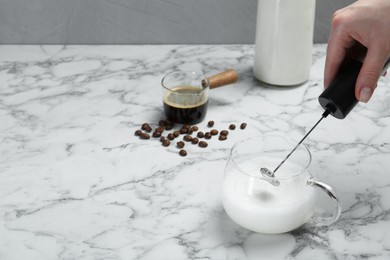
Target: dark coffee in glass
column 185, row 104
column 185, row 99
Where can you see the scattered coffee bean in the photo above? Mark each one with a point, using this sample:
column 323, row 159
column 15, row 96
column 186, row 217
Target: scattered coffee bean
column 138, row 133
column 185, row 130
column 148, row 129
column 195, row 140
column 187, row 138
column 203, row 144
column 160, row 129
column 180, row 144
column 222, row 137
column 200, row 134
column 232, row 126
column 224, row 132
column 156, row 134
column 183, row 152
column 162, row 123
column 176, row 133
column 144, row 136
column 214, row 132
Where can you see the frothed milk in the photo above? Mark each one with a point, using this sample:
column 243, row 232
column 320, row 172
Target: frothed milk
column 256, row 204
column 284, row 39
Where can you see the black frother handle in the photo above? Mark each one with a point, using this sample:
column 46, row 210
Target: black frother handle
column 339, row 98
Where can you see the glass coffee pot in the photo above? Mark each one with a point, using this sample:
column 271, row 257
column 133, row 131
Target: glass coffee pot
column 186, row 94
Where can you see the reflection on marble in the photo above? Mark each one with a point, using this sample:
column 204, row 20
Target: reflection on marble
column 75, row 183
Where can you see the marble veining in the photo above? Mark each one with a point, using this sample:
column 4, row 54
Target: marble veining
column 75, row 183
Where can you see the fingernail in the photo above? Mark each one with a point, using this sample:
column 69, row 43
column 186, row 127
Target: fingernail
column 365, row 94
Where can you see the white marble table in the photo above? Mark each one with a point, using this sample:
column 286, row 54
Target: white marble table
column 75, row 183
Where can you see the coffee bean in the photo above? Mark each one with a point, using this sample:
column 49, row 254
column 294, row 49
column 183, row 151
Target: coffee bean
column 243, row 125
column 166, row 143
column 180, row 144
column 176, row 133
column 195, row 140
column 138, row 133
column 210, row 124
column 186, row 126
column 189, row 131
column 170, row 136
column 222, row 137
column 148, row 129
column 224, row 132
column 144, row 126
column 183, row 152
column 162, row 138
column 169, row 126
column 232, row 126
column 194, row 128
column 214, row 132
column 200, row 134
column 156, row 134
column 144, row 136
column 207, row 135
column 183, row 131
column 162, row 123
column 187, row 138
column 160, row 129
column 203, row 144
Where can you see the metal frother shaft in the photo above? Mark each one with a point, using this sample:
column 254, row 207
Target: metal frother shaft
column 324, row 115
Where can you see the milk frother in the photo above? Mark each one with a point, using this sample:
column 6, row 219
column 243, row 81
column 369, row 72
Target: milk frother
column 337, row 100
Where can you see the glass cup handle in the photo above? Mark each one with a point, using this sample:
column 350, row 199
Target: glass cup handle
column 330, row 192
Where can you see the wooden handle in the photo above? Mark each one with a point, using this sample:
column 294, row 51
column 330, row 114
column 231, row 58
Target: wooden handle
column 221, row 79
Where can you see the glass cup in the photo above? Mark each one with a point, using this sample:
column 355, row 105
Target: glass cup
column 185, row 99
column 273, row 204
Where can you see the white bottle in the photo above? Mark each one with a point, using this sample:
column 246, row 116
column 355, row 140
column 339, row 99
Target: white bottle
column 284, row 40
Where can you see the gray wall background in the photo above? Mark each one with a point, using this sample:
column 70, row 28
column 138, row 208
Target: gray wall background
column 140, row 21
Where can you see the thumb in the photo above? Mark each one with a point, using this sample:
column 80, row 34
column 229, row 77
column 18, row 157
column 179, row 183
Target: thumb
column 369, row 75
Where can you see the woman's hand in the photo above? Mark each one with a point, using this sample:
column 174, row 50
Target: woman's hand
column 360, row 31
